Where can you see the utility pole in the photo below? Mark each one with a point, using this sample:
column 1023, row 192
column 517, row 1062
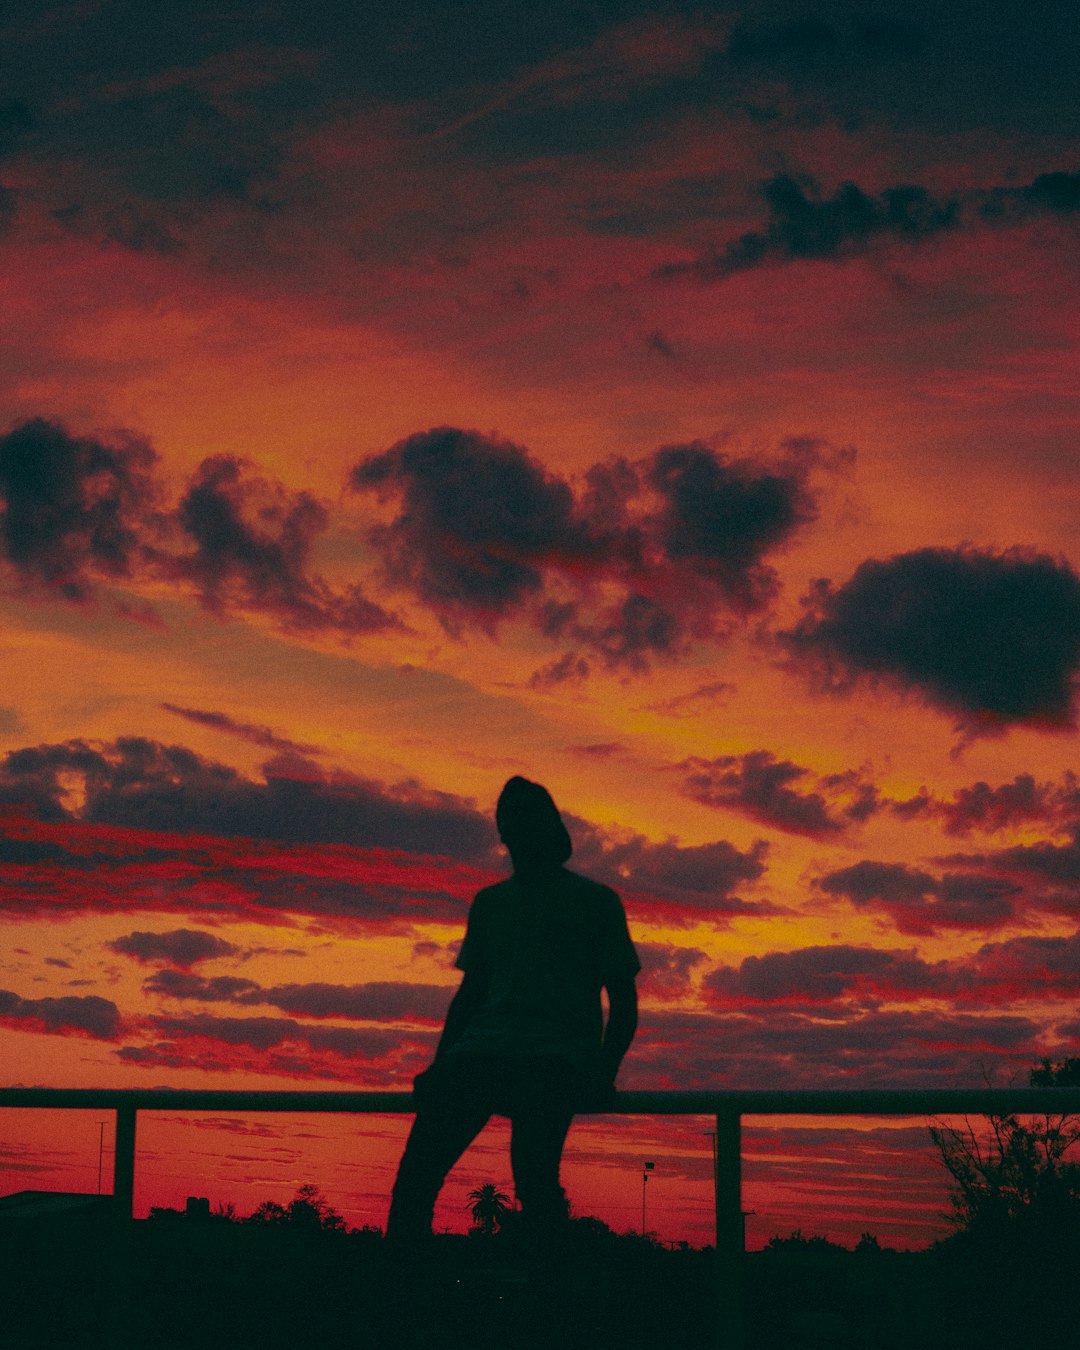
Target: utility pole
column 100, row 1152
column 645, row 1170
column 711, row 1136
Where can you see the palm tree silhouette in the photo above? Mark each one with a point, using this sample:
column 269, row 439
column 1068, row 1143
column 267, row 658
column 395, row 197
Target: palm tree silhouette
column 488, row 1207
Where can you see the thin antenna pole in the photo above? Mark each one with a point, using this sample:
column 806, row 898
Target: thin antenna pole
column 646, row 1168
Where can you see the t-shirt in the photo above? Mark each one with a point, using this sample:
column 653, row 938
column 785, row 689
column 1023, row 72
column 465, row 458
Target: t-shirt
column 546, row 948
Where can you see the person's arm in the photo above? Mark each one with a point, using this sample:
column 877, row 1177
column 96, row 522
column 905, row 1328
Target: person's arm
column 463, row 1006
column 621, row 1024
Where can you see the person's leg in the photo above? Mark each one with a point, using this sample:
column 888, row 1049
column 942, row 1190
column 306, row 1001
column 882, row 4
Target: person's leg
column 456, row 1109
column 541, row 1116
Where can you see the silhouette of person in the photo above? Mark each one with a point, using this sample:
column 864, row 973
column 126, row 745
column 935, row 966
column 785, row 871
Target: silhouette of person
column 524, row 1035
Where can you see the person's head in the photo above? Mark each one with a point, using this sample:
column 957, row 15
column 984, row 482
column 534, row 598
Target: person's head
column 530, row 826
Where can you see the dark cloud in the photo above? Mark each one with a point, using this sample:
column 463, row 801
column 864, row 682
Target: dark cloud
column 16, row 120
column 8, row 206
column 139, row 229
column 378, row 1001
column 779, row 1047
column 806, row 38
column 86, row 1014
column 822, row 975
column 893, row 883
column 182, row 947
column 262, row 1033
column 142, row 784
column 814, row 41
column 722, row 517
column 1023, row 967
column 803, row 225
column 479, row 519
column 1019, row 969
column 645, row 556
column 993, row 639
column 1049, row 194
column 758, row 785
column 347, row 891
column 244, row 731
column 279, row 1045
column 134, row 806
column 911, row 808
column 182, row 984
column 666, row 970
column 988, row 809
column 27, row 852
column 570, row 668
column 1048, row 872
column 253, row 550
column 921, row 904
column 696, row 877
column 629, row 633
column 75, row 509
column 1054, row 192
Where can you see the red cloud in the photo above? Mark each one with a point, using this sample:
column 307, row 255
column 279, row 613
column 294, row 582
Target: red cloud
column 80, row 868
column 921, row 904
column 379, row 1001
column 666, row 970
column 371, row 1056
column 845, row 977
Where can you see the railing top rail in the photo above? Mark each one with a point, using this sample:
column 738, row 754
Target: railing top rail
column 735, row 1101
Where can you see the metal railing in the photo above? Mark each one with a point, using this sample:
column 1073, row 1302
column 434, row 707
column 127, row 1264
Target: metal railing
column 727, row 1107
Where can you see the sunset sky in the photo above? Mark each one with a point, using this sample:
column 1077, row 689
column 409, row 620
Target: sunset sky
column 674, row 404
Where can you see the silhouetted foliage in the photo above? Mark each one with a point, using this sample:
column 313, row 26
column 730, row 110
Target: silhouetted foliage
column 489, row 1208
column 1065, row 1073
column 307, row 1211
column 796, row 1246
column 1011, row 1173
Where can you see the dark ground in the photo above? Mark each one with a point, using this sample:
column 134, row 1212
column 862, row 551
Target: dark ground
column 207, row 1286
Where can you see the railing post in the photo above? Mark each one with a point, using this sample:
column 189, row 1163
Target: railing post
column 730, row 1241
column 124, row 1162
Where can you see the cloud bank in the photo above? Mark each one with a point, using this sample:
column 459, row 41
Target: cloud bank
column 483, row 532
column 993, row 639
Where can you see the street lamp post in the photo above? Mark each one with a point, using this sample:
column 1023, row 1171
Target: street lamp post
column 645, row 1170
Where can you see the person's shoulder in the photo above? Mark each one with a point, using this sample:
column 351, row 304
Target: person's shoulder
column 487, row 894
column 589, row 890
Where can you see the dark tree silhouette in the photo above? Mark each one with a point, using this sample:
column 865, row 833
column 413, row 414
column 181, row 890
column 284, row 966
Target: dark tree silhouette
column 489, row 1207
column 307, row 1210
column 1010, row 1171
